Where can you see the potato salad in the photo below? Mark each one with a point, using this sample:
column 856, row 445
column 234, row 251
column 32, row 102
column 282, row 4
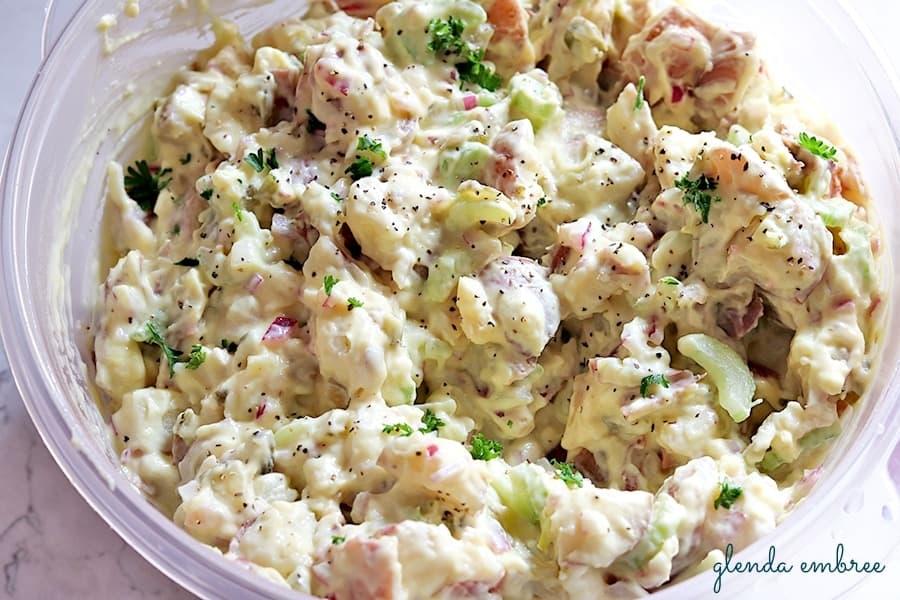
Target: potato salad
column 483, row 298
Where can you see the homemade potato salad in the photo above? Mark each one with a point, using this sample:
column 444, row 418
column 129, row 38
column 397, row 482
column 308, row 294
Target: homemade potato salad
column 483, row 299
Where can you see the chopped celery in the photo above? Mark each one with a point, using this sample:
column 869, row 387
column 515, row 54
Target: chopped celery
column 729, row 372
column 478, row 204
column 443, row 275
column 534, row 97
column 667, row 514
column 523, row 492
column 770, row 462
column 466, row 162
column 817, row 437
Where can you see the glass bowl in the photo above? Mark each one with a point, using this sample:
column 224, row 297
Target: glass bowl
column 92, row 95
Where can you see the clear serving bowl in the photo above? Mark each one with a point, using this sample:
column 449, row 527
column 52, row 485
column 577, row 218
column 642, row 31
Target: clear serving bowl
column 87, row 105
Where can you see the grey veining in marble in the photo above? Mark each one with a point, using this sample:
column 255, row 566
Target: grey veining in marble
column 52, row 545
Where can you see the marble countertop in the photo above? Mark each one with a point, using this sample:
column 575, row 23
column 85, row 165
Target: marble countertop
column 52, row 544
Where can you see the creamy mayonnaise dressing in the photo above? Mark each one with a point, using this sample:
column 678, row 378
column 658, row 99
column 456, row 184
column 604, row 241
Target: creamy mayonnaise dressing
column 412, row 311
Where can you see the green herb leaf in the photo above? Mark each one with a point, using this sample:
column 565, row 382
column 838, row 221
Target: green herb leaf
column 353, row 303
column 401, row 428
column 359, row 168
column 143, row 186
column 336, row 197
column 817, row 146
column 155, row 337
column 639, row 101
column 669, row 280
column 206, row 194
column 257, row 160
column 541, row 202
column 237, row 210
column 196, row 357
column 431, row 422
column 446, row 35
column 655, row 379
column 485, row 449
column 338, row 539
column 328, row 283
column 476, row 72
column 728, row 494
column 185, row 159
column 271, row 160
column 188, row 262
column 312, row 123
column 567, row 473
column 366, row 144
column 695, row 194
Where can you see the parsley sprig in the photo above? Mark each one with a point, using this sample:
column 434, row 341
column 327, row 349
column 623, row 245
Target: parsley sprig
column 639, row 101
column 446, row 38
column 367, row 149
column 431, row 421
column 567, row 473
column 728, row 494
column 196, row 357
column 155, row 337
column 669, row 280
column 695, row 194
column 401, row 428
column 484, row 448
column 261, row 161
column 816, row 146
column 328, row 283
column 143, row 186
column 655, row 379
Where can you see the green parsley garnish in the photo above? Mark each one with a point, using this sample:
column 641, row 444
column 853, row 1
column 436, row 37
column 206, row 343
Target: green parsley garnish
column 446, row 37
column 695, row 194
column 312, row 123
column 669, row 280
column 237, row 210
column 567, row 473
column 336, row 197
column 367, row 144
column 655, row 379
column 475, row 71
column 230, row 347
column 188, row 262
column 728, row 494
column 541, row 202
column 817, row 146
column 639, row 101
column 401, row 428
column 431, row 421
column 338, row 539
column 176, row 230
column 185, row 159
column 143, row 186
column 485, row 449
column 353, row 303
column 359, row 168
column 155, row 337
column 206, row 194
column 196, row 357
column 328, row 283
column 261, row 161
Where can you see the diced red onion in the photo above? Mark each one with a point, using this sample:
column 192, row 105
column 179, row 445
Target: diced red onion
column 253, row 283
column 279, row 329
column 677, row 94
column 470, row 101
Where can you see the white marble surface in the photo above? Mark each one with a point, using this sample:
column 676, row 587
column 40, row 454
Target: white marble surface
column 52, row 545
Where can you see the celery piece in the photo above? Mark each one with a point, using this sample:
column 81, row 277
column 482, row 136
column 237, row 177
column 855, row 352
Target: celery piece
column 729, row 372
column 523, row 492
column 819, row 436
column 534, row 98
column 466, row 162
